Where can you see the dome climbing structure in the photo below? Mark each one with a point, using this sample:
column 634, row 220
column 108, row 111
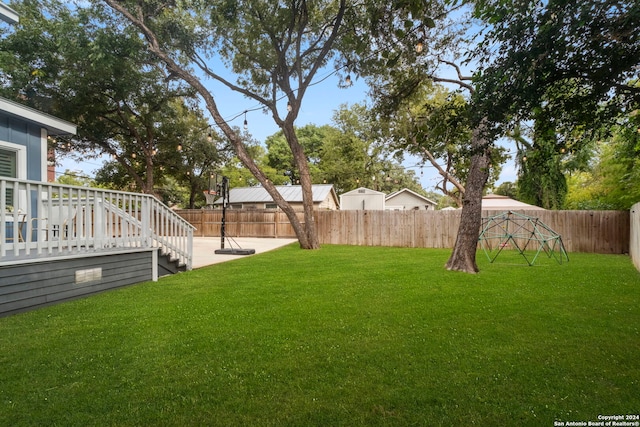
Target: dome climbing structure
column 527, row 235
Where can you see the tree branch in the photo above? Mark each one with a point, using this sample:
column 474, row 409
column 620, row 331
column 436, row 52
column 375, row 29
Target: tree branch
column 445, row 174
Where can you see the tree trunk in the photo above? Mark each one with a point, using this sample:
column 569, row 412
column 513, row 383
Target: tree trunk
column 300, row 160
column 463, row 257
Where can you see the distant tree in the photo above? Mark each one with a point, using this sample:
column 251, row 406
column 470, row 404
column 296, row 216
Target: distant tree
column 613, row 179
column 240, row 176
column 508, row 189
column 185, row 149
column 619, row 167
column 280, row 157
column 75, row 178
column 353, row 156
column 586, row 192
column 541, row 179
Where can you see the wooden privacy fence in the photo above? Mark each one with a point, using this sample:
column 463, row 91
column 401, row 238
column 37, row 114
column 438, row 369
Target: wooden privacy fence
column 582, row 231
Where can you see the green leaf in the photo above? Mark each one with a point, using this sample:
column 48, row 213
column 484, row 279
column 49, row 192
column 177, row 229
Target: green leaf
column 393, row 61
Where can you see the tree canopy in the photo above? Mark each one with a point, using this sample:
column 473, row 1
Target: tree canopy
column 562, row 62
column 83, row 65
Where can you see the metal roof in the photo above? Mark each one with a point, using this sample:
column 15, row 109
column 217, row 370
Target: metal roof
column 291, row 193
column 492, row 202
column 360, row 191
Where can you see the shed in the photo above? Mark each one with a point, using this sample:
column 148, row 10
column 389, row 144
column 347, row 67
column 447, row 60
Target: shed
column 407, row 200
column 324, row 197
column 495, row 202
column 362, row 199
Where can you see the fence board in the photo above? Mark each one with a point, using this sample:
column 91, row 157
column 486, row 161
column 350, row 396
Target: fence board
column 582, row 231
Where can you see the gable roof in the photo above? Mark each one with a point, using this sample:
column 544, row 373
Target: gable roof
column 291, row 193
column 361, row 190
column 54, row 125
column 413, row 193
column 495, row 202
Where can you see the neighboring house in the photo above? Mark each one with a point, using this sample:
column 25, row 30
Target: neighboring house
column 407, row 200
column 495, row 202
column 324, row 197
column 59, row 242
column 362, row 199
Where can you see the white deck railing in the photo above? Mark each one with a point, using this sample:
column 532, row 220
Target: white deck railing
column 41, row 219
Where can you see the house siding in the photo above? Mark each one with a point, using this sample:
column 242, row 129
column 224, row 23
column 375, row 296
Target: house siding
column 30, row 285
column 407, row 201
column 362, row 199
column 29, row 136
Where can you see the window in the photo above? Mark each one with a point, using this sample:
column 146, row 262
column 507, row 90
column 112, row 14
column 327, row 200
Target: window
column 8, row 161
column 270, row 206
column 8, row 168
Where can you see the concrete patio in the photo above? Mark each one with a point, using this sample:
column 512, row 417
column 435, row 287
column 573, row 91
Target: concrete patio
column 204, row 248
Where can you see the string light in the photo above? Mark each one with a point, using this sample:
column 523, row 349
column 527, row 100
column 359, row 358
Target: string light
column 179, row 147
column 246, row 124
column 419, row 47
column 289, row 107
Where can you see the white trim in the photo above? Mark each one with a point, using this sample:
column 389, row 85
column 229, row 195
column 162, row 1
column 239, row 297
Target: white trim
column 8, row 15
column 53, row 124
column 21, row 157
column 21, row 170
column 44, row 176
column 78, row 255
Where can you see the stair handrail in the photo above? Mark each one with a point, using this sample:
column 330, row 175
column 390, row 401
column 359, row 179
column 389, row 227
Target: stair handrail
column 102, row 218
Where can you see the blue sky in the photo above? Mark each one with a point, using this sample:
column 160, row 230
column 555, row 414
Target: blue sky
column 318, row 106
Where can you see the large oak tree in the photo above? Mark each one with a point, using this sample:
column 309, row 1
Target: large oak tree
column 567, row 63
column 274, row 51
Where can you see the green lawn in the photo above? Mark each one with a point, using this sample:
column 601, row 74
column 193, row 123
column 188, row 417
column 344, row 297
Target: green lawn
column 342, row 336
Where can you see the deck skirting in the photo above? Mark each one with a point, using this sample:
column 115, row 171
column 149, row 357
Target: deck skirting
column 31, row 283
